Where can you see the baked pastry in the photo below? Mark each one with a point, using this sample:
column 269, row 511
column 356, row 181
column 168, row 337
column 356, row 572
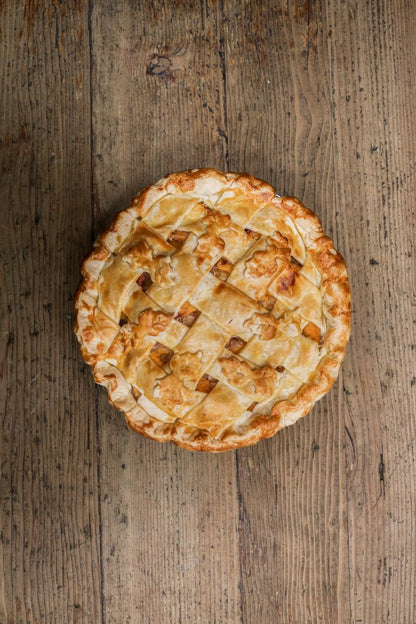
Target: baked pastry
column 214, row 311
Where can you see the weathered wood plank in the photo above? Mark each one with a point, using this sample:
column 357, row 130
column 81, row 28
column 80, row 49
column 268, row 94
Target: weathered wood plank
column 345, row 122
column 373, row 57
column 170, row 517
column 294, row 544
column 49, row 566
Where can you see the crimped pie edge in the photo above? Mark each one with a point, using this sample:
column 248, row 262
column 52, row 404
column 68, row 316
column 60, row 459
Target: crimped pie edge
column 336, row 303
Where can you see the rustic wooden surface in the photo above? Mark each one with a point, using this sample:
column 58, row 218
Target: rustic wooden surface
column 99, row 98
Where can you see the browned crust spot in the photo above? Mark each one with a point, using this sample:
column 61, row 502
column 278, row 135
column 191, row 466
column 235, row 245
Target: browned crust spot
column 312, row 331
column 295, row 262
column 235, row 344
column 286, row 281
column 206, row 383
column 222, row 269
column 177, row 238
column 187, row 314
column 144, row 281
column 160, row 354
column 252, row 234
column 268, row 302
column 123, row 319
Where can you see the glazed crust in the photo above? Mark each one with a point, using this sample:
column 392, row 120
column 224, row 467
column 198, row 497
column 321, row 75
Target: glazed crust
column 237, row 209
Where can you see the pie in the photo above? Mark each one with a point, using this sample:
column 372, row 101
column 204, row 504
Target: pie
column 214, row 311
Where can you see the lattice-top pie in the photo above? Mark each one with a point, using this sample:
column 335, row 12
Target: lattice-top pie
column 214, row 311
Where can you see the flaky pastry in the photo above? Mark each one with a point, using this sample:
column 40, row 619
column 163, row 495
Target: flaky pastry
column 214, row 311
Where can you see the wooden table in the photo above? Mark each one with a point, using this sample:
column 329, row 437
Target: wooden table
column 98, row 99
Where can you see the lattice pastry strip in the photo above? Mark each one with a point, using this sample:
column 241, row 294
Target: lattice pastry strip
column 229, row 307
column 243, row 199
column 180, row 272
column 272, row 220
column 94, row 328
column 263, row 262
column 268, row 352
column 226, row 403
column 213, row 311
column 301, row 295
column 205, row 338
column 170, row 393
column 169, row 212
column 175, row 388
column 202, row 221
column 310, row 271
column 110, row 300
column 259, row 384
column 303, row 357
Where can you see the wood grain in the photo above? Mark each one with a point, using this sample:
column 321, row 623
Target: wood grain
column 282, row 125
column 170, row 517
column 100, row 525
column 49, row 522
column 374, row 119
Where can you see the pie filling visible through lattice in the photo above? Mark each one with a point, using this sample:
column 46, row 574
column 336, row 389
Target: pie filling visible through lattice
column 213, row 311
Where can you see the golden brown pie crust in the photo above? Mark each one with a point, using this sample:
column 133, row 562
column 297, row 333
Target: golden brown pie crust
column 214, row 311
